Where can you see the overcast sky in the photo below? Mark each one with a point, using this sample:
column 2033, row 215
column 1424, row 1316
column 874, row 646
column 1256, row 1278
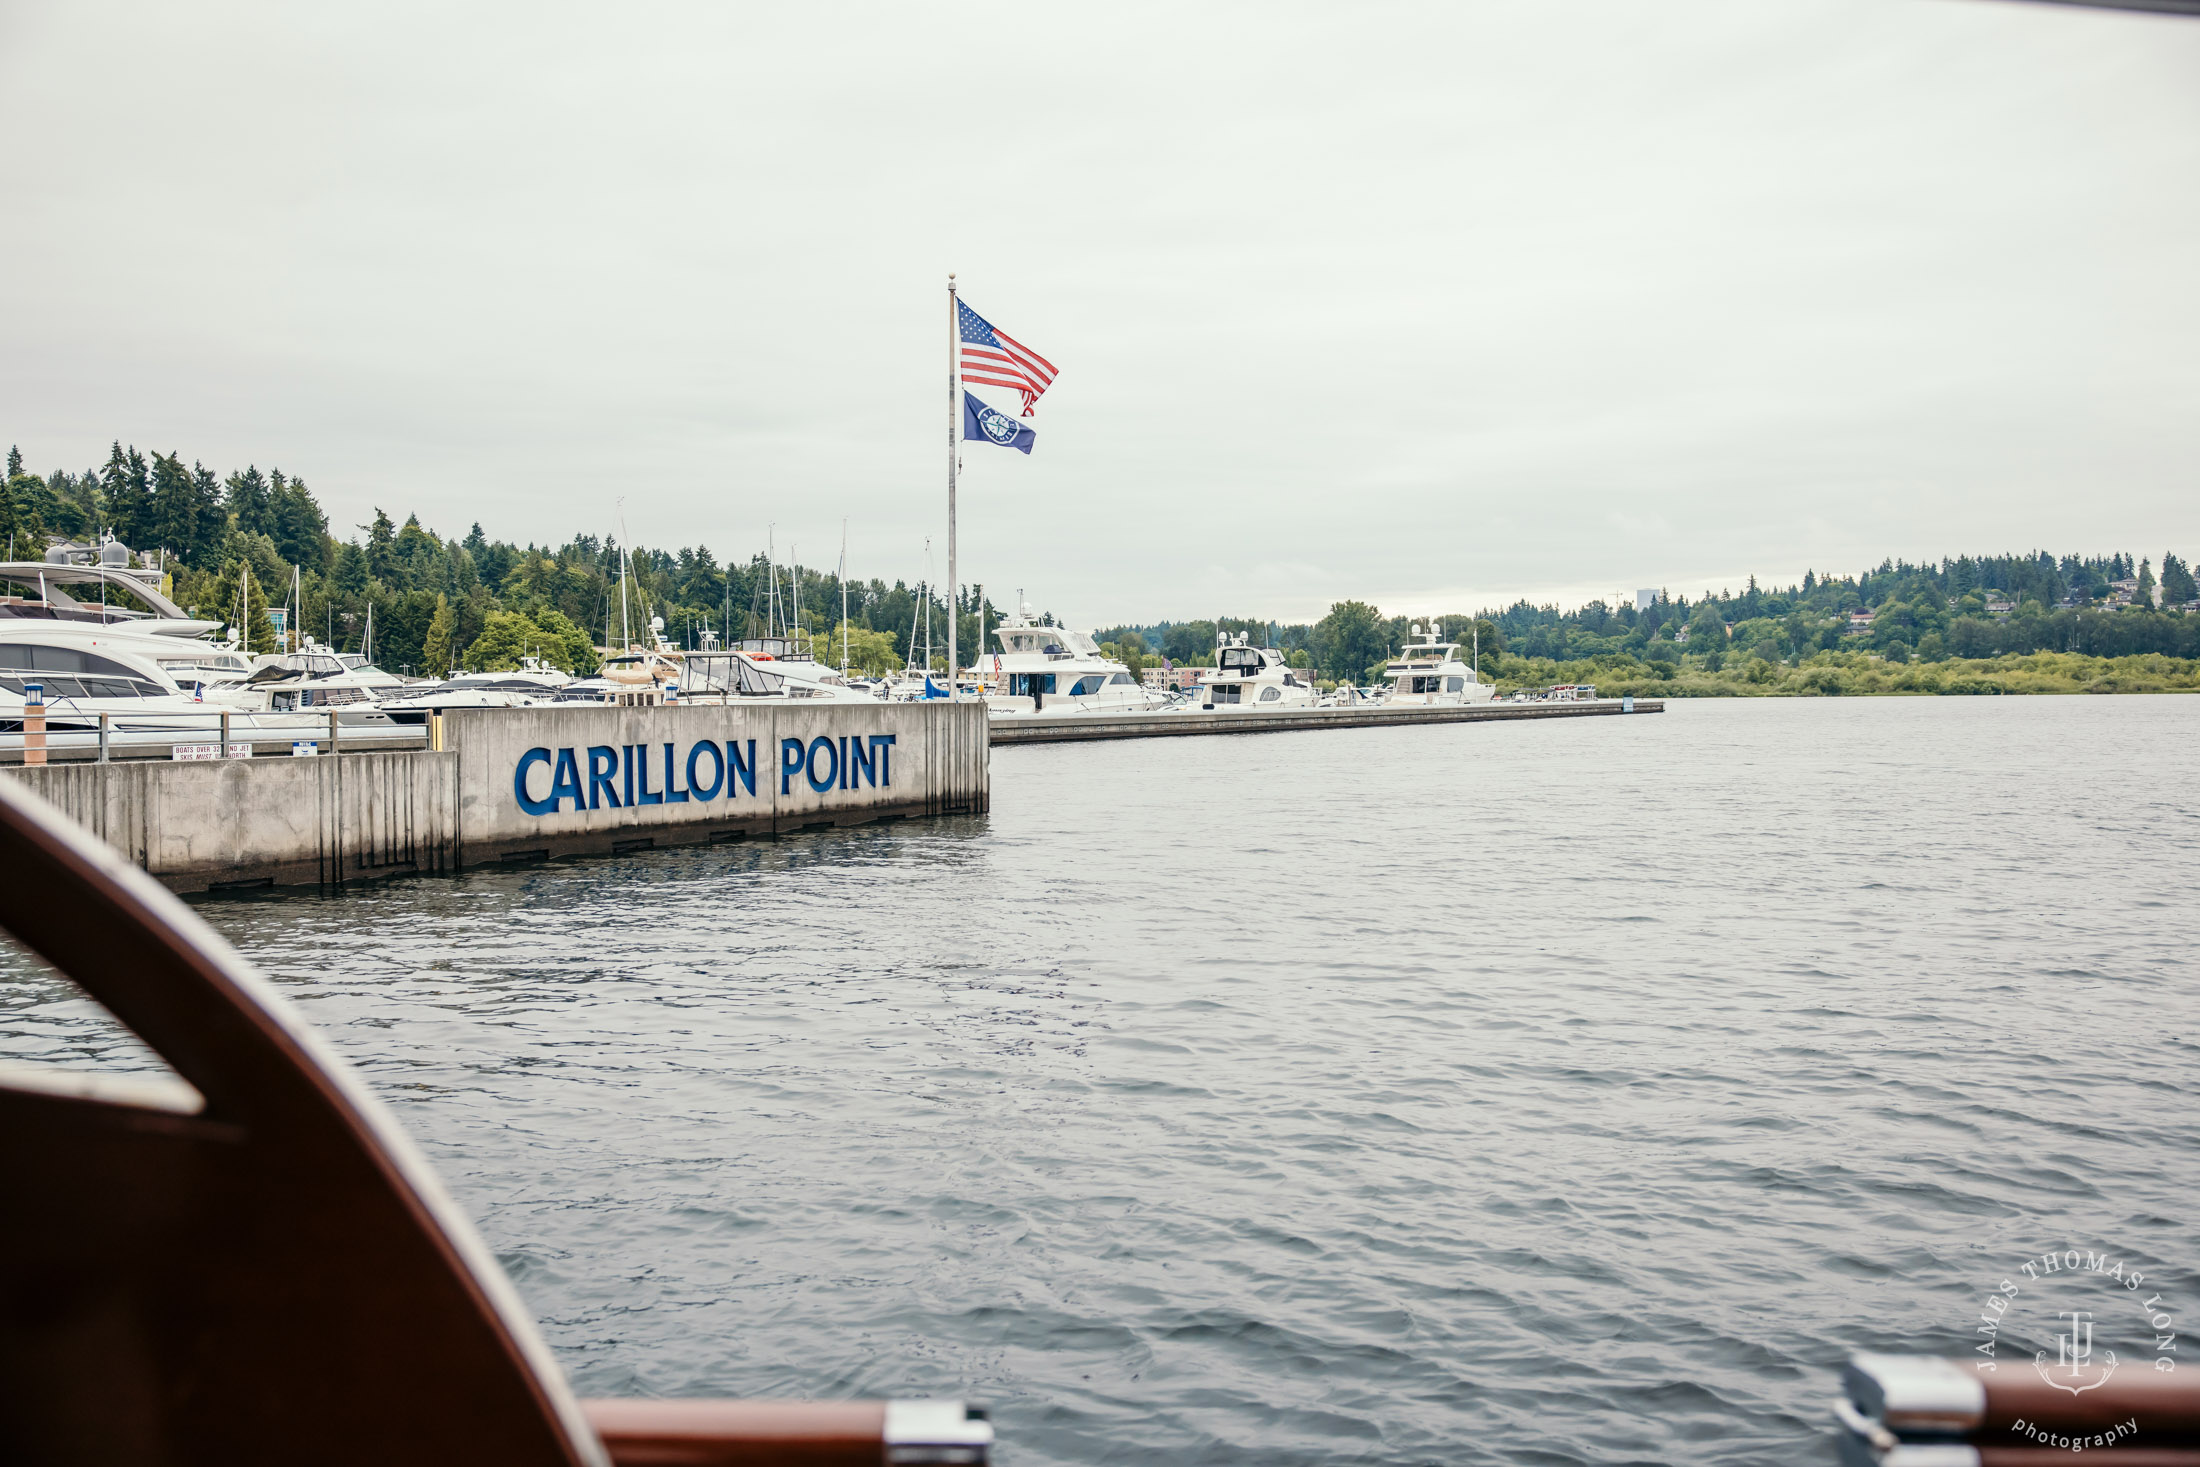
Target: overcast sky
column 1431, row 305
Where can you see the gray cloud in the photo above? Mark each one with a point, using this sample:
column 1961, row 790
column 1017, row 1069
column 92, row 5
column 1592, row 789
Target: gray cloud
column 1426, row 304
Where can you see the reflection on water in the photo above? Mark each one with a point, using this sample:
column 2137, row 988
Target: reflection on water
column 1557, row 1092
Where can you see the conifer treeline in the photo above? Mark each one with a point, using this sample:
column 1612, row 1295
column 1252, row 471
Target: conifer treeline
column 1968, row 607
column 477, row 602
column 437, row 603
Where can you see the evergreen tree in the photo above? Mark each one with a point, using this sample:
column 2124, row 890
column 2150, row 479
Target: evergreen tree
column 435, row 653
column 19, row 526
column 125, row 486
column 76, row 497
column 213, row 523
column 2145, row 596
column 351, row 568
column 15, row 460
column 248, row 501
column 417, row 552
column 300, row 530
column 2177, row 582
column 382, row 550
column 173, row 518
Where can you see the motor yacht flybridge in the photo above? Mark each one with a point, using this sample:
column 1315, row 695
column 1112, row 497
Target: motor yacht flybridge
column 1427, row 672
column 110, row 593
column 1249, row 678
column 1051, row 669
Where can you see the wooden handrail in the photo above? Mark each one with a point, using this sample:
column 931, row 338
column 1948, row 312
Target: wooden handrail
column 788, row 1433
column 725, row 1433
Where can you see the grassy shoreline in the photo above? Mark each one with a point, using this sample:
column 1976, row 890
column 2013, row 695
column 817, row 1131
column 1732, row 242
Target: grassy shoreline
column 1859, row 674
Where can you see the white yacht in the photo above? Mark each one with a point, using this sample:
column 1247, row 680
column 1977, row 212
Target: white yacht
column 1428, row 672
column 533, row 682
column 86, row 669
column 312, row 677
column 1049, row 669
column 1252, row 679
column 736, row 677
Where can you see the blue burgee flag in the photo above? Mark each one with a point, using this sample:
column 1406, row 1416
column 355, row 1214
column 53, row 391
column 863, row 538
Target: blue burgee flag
column 987, row 426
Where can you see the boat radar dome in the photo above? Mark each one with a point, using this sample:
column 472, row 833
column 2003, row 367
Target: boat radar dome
column 114, row 553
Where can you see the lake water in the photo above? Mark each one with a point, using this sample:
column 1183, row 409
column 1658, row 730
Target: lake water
column 1562, row 1092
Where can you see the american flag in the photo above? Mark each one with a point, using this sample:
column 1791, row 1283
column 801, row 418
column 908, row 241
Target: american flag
column 999, row 360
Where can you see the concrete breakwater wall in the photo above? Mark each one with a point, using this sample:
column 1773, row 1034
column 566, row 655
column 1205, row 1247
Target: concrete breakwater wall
column 1077, row 728
column 265, row 822
column 529, row 783
column 610, row 779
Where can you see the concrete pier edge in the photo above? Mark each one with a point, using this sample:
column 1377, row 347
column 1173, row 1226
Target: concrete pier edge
column 1080, row 727
column 231, row 824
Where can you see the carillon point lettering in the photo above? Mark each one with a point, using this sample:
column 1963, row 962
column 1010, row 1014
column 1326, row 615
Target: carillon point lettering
column 842, row 763
column 622, row 775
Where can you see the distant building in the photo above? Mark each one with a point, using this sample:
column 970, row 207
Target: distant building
column 1645, row 599
column 1161, row 678
column 1999, row 606
column 1860, row 622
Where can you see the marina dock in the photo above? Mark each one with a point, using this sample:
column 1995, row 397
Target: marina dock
column 526, row 784
column 1068, row 728
column 497, row 785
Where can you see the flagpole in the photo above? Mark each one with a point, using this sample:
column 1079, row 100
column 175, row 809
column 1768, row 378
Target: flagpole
column 954, row 424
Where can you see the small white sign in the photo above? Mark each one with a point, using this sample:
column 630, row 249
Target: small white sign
column 240, row 751
column 195, row 751
column 304, row 749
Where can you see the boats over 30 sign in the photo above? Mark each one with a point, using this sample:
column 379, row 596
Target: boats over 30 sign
column 615, row 776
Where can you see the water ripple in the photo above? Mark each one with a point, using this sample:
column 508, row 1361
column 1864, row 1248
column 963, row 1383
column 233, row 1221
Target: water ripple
column 1555, row 1093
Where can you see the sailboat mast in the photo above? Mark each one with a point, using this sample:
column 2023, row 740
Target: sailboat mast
column 771, row 568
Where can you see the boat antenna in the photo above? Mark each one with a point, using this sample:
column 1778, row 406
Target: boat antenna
column 626, row 629
column 843, row 595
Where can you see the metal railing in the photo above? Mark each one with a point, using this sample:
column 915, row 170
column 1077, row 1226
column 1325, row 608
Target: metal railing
column 108, row 737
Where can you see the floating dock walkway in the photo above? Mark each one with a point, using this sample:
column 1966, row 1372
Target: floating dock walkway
column 1041, row 728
